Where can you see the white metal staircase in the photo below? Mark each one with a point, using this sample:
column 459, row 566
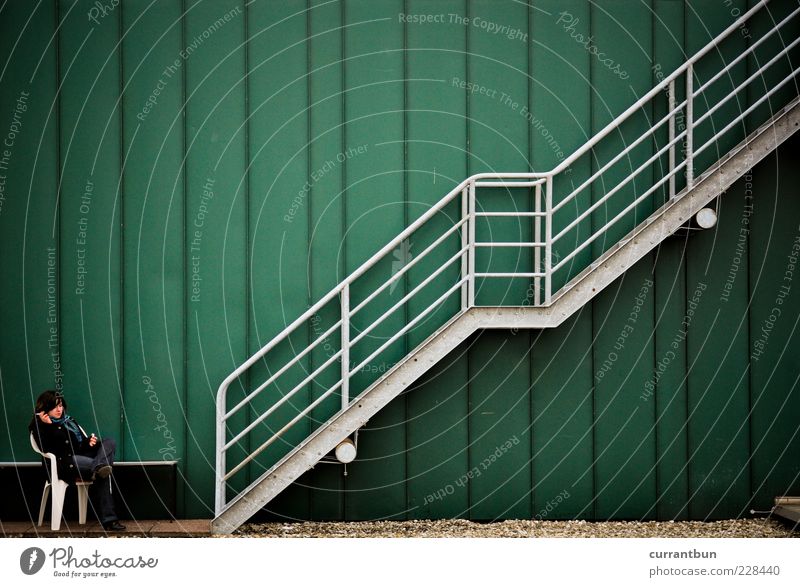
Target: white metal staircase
column 666, row 170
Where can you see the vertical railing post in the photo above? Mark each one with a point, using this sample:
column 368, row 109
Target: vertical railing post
column 670, row 108
column 471, row 262
column 464, row 248
column 219, row 494
column 345, row 326
column 689, row 126
column 537, row 250
column 548, row 239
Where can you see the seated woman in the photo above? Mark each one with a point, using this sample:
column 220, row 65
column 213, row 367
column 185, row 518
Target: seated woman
column 77, row 455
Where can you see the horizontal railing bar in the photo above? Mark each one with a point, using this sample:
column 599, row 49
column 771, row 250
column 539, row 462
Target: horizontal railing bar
column 277, row 435
column 512, row 214
column 282, row 370
column 613, row 221
column 755, row 105
column 491, row 244
column 363, row 268
column 410, row 325
column 407, row 297
column 749, row 50
column 741, row 86
column 614, row 124
column 474, row 181
column 619, row 156
column 611, row 126
column 510, row 274
column 283, row 399
column 618, row 187
column 366, row 265
column 506, row 184
column 409, row 265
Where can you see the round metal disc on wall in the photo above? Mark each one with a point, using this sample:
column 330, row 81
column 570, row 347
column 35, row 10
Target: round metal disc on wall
column 706, row 218
column 346, row 451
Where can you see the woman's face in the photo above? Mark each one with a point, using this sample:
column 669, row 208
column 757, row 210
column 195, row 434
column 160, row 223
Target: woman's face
column 57, row 411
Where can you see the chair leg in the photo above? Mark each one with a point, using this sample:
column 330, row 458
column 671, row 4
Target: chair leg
column 43, row 506
column 83, row 500
column 59, row 492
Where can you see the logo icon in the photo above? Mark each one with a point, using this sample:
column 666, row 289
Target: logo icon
column 31, row 560
column 402, row 257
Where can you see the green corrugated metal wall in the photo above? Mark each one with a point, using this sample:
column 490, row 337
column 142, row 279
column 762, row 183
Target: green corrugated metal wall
column 179, row 187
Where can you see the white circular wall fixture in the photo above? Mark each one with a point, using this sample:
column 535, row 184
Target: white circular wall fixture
column 706, row 218
column 346, row 451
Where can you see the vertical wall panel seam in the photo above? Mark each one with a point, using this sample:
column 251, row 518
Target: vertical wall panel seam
column 592, row 306
column 654, row 274
column 405, row 224
column 309, row 226
column 687, row 402
column 343, row 82
column 184, row 303
column 247, row 243
column 749, row 307
column 531, row 196
column 56, row 238
column 121, row 195
column 467, row 154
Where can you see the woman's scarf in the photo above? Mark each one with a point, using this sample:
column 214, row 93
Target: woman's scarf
column 70, row 425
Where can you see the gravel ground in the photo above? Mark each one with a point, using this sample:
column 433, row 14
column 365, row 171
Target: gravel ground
column 751, row 528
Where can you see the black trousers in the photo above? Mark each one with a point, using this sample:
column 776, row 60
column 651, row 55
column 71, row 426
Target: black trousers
column 87, row 464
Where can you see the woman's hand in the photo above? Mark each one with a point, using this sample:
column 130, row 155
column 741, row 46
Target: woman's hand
column 45, row 418
column 92, row 440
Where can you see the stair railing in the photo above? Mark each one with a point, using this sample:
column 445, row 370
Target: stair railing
column 678, row 180
column 464, row 285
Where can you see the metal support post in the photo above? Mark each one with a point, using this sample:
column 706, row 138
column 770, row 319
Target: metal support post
column 464, row 242
column 471, row 256
column 689, row 126
column 670, row 108
column 345, row 346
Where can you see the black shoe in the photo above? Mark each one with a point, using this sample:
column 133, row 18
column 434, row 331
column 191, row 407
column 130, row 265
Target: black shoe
column 103, row 471
column 114, row 526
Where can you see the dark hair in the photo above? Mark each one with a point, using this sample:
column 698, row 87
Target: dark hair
column 48, row 400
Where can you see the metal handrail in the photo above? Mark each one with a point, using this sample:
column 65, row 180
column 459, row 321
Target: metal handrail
column 541, row 244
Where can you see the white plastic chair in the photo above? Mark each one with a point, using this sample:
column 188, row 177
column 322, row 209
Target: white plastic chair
column 59, row 487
